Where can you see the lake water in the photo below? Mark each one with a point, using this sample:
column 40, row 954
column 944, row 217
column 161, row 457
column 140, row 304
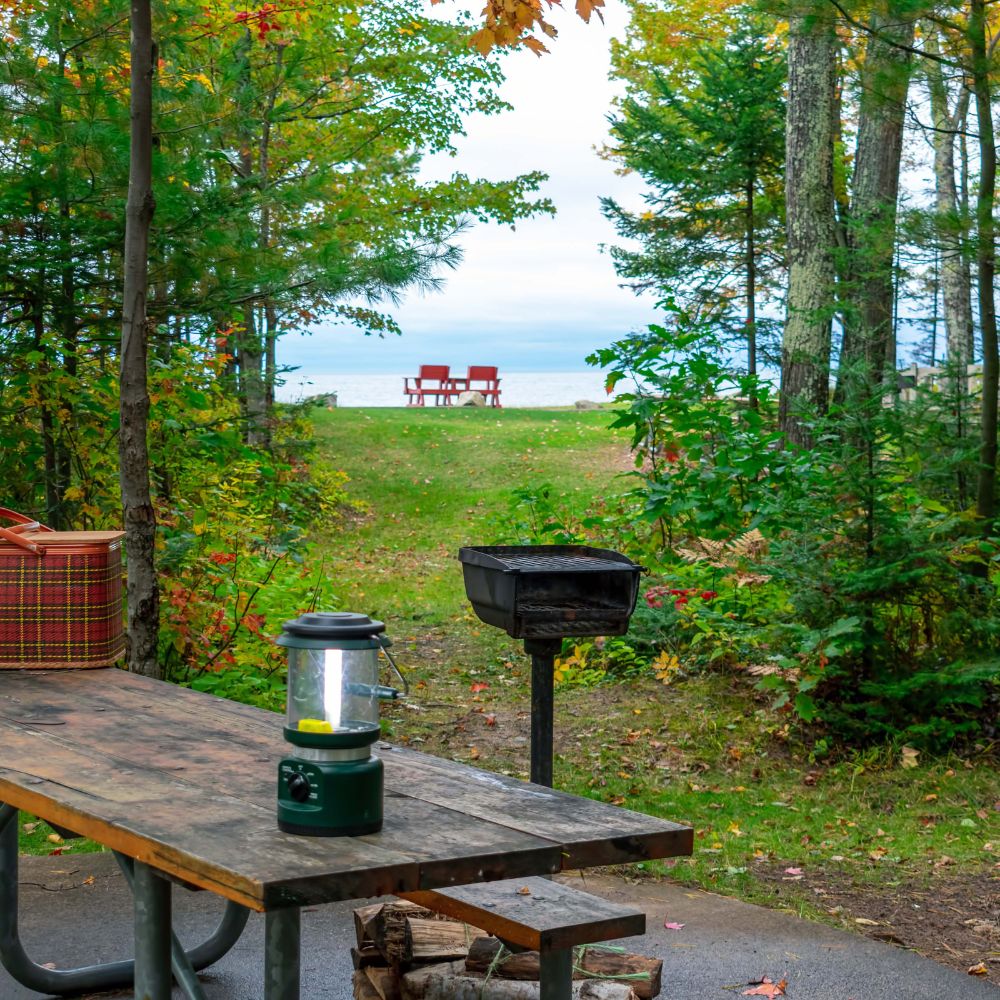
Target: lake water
column 516, row 388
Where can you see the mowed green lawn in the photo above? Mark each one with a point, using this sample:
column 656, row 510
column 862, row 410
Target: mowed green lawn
column 435, row 479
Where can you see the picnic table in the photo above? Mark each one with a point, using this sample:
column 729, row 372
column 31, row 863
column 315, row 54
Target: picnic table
column 182, row 785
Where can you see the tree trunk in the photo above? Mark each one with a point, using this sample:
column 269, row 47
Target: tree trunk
column 869, row 346
column 270, row 352
column 250, row 357
column 951, row 232
column 140, row 518
column 751, row 286
column 985, row 265
column 805, row 349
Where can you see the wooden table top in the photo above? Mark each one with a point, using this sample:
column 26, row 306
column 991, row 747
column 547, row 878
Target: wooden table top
column 187, row 782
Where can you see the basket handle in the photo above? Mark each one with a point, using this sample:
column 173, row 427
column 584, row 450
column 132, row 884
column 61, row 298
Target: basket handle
column 21, row 523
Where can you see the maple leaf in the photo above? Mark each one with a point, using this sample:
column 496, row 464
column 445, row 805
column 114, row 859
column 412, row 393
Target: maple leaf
column 587, row 7
column 767, row 987
column 478, row 686
column 483, row 40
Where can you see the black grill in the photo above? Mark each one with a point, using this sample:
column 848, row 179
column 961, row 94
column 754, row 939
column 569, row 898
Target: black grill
column 551, row 590
column 542, row 594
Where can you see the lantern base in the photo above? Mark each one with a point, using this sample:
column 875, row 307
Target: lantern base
column 330, row 798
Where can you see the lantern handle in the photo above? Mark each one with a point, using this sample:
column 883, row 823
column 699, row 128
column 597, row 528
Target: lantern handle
column 384, row 643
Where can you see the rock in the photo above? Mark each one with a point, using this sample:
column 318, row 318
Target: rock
column 471, row 398
column 586, row 404
column 327, row 399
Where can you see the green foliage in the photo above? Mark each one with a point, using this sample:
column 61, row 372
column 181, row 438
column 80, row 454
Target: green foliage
column 842, row 575
column 585, row 663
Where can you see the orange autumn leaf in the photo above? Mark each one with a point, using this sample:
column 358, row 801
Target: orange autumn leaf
column 767, row 988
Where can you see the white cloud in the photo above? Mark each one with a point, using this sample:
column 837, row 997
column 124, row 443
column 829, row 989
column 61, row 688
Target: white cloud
column 542, row 295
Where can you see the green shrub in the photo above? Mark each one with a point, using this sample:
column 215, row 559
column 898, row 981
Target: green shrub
column 846, row 576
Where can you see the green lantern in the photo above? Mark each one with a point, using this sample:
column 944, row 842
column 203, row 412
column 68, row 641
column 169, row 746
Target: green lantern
column 331, row 785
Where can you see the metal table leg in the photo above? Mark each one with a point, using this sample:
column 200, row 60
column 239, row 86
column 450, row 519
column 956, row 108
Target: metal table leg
column 181, row 966
column 91, row 978
column 152, row 934
column 555, row 974
column 281, row 954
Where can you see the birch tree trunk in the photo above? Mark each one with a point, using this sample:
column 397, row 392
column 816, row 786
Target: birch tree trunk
column 133, row 455
column 869, row 346
column 956, row 289
column 985, row 265
column 805, row 349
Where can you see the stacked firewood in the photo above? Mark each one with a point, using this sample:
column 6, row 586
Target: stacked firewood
column 407, row 952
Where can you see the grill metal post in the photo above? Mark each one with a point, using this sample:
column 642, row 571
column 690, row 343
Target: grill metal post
column 543, row 653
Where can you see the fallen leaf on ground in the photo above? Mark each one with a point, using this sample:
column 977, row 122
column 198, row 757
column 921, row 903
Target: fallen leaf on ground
column 671, row 926
column 978, row 969
column 793, row 871
column 524, row 891
column 766, row 987
column 478, row 686
column 865, row 922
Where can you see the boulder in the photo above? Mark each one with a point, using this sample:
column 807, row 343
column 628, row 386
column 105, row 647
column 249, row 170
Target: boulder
column 471, row 398
column 586, row 404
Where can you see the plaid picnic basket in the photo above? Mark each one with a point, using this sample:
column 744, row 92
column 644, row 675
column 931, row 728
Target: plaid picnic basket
column 60, row 596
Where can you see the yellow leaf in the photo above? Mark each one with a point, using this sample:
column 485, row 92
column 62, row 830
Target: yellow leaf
column 483, row 40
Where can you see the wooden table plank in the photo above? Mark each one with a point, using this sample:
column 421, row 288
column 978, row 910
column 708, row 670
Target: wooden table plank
column 186, row 782
column 592, row 833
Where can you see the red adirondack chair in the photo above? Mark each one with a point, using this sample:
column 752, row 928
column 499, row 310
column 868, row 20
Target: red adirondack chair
column 433, row 380
column 480, row 378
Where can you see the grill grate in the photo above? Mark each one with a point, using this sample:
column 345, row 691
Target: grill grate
column 561, row 564
column 559, row 629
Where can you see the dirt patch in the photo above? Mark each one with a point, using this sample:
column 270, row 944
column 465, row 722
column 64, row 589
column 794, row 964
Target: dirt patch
column 954, row 919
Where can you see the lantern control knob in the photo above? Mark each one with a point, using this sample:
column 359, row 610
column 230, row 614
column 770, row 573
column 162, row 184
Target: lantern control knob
column 298, row 787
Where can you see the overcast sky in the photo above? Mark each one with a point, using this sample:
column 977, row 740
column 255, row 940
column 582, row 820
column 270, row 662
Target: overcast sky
column 542, row 296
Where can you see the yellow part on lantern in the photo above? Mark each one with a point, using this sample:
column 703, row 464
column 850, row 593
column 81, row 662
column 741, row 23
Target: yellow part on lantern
column 314, row 726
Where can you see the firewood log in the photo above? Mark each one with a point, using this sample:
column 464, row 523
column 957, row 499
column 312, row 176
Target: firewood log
column 363, row 989
column 369, row 955
column 385, row 981
column 595, row 959
column 446, row 982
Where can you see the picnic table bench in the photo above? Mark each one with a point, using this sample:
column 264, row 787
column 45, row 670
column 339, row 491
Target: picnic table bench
column 183, row 786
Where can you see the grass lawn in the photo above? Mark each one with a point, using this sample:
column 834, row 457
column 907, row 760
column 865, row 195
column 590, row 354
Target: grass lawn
column 910, row 854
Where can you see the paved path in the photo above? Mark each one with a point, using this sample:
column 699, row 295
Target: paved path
column 724, row 944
